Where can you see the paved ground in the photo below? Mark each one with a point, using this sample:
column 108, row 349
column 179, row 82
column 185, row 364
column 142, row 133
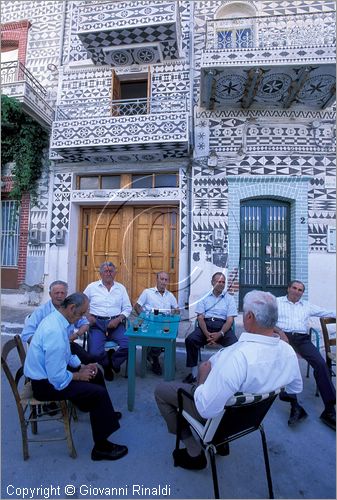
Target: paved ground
column 303, row 459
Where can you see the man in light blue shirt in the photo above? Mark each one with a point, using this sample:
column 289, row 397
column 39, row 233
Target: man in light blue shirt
column 162, row 299
column 56, row 374
column 215, row 315
column 58, row 291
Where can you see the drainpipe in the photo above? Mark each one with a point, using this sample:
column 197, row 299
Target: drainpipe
column 190, row 162
column 64, row 13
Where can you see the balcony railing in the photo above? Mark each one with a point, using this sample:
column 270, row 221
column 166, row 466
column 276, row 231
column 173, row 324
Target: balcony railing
column 14, row 71
column 126, row 107
column 303, row 30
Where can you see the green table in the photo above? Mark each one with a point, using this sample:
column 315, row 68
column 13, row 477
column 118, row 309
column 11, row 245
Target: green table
column 153, row 337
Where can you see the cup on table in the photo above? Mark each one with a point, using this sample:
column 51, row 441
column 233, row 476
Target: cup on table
column 156, row 312
column 166, row 328
column 135, row 326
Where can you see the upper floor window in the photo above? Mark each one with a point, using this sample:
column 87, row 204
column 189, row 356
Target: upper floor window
column 98, row 182
column 234, row 38
column 234, row 26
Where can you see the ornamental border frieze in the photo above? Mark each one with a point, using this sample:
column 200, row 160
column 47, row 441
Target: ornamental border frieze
column 128, row 194
column 221, row 57
column 107, row 16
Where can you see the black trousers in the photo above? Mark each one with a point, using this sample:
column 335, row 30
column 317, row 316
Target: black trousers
column 302, row 345
column 89, row 397
column 82, row 354
column 197, row 339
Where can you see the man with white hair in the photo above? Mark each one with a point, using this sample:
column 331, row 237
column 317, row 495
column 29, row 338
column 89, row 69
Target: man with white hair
column 259, row 362
column 58, row 291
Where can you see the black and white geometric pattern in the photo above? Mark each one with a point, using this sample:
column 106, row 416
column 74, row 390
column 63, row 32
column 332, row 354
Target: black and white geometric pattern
column 61, row 204
column 155, row 26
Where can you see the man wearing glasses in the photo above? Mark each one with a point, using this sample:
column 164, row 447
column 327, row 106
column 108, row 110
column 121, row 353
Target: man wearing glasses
column 109, row 307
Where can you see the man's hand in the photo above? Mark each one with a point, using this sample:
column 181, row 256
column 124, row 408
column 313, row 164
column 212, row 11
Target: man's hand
column 213, row 338
column 86, row 372
column 91, row 318
column 113, row 323
column 203, row 371
column 281, row 334
column 81, row 331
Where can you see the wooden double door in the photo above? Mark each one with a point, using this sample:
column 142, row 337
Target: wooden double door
column 140, row 241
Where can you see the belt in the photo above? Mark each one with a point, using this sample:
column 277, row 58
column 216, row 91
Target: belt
column 105, row 317
column 215, row 319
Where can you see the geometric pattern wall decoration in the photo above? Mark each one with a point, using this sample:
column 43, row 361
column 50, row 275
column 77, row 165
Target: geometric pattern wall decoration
column 61, row 204
column 135, row 34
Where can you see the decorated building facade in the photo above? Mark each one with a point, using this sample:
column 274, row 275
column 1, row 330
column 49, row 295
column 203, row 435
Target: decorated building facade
column 189, row 136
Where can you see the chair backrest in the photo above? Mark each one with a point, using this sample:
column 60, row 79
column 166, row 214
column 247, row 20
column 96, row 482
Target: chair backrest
column 14, row 376
column 243, row 413
column 328, row 341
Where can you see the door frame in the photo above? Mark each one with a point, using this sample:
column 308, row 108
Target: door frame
column 277, row 290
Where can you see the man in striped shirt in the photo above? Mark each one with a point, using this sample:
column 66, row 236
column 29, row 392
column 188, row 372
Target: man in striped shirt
column 293, row 317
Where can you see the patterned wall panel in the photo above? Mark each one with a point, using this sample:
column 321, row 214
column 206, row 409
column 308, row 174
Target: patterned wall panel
column 61, row 204
column 44, row 42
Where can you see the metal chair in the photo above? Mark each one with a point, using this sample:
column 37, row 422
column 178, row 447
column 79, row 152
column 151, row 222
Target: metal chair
column 313, row 331
column 329, row 342
column 30, row 410
column 242, row 415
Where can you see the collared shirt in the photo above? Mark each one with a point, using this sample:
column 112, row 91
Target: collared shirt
column 294, row 317
column 49, row 352
column 221, row 306
column 104, row 302
column 151, row 298
column 34, row 319
column 254, row 364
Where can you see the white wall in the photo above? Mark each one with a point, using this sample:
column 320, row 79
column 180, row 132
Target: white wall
column 322, row 279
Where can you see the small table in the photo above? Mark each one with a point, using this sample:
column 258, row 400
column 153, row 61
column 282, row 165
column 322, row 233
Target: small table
column 153, row 337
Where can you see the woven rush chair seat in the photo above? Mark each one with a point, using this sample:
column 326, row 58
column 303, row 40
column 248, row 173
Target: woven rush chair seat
column 31, row 411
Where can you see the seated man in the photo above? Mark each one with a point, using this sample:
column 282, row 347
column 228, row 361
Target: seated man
column 294, row 313
column 58, row 291
column 215, row 315
column 56, row 374
column 159, row 298
column 259, row 362
column 109, row 307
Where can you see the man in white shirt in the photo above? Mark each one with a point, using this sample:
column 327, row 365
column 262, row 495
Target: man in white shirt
column 165, row 302
column 259, row 362
column 108, row 309
column 294, row 314
column 215, row 316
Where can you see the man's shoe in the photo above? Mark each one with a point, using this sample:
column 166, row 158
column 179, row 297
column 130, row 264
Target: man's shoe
column 118, row 415
column 284, row 396
column 189, row 379
column 155, row 367
column 115, row 368
column 223, row 449
column 114, row 452
column 297, row 414
column 329, row 418
column 108, row 374
column 181, row 458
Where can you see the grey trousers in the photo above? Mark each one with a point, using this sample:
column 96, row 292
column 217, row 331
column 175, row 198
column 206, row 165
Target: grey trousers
column 166, row 394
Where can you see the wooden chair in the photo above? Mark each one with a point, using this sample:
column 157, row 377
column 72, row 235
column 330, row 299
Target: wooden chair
column 242, row 415
column 329, row 342
column 30, row 410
